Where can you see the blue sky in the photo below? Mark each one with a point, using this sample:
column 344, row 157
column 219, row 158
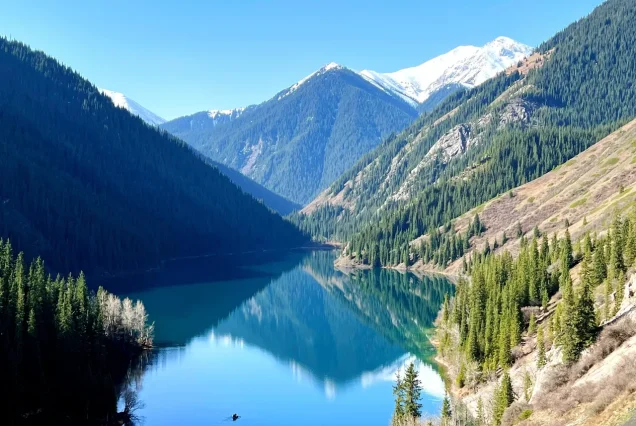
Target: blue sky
column 177, row 58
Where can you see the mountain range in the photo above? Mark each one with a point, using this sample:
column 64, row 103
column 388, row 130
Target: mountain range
column 304, row 137
column 483, row 142
column 426, row 85
column 298, row 142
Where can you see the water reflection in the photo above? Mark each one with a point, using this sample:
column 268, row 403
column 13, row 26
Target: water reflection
column 293, row 336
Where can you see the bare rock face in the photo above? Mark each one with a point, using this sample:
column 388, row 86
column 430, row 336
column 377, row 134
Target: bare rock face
column 453, row 143
column 517, row 111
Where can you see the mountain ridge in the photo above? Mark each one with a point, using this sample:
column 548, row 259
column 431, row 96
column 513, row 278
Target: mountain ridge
column 302, row 138
column 86, row 185
column 122, row 101
column 479, row 143
column 465, row 66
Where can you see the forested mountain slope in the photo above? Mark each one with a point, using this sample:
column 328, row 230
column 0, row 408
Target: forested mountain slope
column 298, row 142
column 87, row 185
column 585, row 193
column 210, row 118
column 573, row 91
column 279, row 204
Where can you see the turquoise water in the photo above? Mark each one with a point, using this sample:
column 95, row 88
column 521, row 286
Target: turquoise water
column 285, row 342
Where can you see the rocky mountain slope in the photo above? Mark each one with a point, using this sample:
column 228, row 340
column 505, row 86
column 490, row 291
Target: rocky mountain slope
column 477, row 144
column 586, row 191
column 298, row 142
column 302, row 139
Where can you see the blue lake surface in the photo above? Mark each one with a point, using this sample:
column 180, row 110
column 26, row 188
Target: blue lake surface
column 284, row 342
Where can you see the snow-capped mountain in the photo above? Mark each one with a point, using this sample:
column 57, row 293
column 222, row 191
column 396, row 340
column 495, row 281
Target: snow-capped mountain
column 466, row 66
column 122, row 101
column 329, row 67
column 303, row 137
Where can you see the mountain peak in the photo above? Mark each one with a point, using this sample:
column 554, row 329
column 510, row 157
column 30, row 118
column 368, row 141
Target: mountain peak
column 331, row 66
column 122, row 101
column 466, row 66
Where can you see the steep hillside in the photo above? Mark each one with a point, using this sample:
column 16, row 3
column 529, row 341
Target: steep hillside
column 575, row 90
column 303, row 138
column 272, row 200
column 204, row 121
column 210, row 118
column 586, row 192
column 87, row 185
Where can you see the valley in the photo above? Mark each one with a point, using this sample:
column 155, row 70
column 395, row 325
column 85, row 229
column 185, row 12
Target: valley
column 451, row 243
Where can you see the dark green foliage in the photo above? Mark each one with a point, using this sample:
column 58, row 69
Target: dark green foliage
column 412, row 393
column 407, row 392
column 487, row 312
column 582, row 92
column 541, row 359
column 272, row 200
column 398, row 394
column 58, row 360
column 300, row 142
column 85, row 184
column 502, row 398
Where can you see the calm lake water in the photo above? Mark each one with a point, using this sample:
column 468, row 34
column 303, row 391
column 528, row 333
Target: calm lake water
column 284, row 342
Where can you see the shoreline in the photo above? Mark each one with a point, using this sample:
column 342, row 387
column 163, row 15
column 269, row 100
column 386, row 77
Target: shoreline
column 348, row 265
column 316, row 247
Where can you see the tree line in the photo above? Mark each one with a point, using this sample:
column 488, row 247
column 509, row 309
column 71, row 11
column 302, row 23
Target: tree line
column 64, row 349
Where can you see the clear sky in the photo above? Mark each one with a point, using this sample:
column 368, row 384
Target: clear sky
column 180, row 57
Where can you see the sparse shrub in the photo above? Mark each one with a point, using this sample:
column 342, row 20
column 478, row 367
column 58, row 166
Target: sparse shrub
column 514, row 412
column 525, row 414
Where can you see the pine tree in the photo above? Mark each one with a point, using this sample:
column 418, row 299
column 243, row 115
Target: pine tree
column 503, row 397
column 599, row 268
column 447, row 414
column 532, row 326
column 616, row 264
column 481, row 415
column 568, row 337
column 607, row 299
column 505, row 357
column 398, row 393
column 586, row 315
column 412, row 392
column 620, row 292
column 568, row 259
column 541, row 359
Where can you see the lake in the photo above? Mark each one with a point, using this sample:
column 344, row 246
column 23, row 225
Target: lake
column 288, row 341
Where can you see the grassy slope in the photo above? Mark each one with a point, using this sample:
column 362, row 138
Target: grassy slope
column 590, row 187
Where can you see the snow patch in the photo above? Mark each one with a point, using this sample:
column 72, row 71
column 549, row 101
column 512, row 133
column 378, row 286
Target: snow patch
column 329, row 67
column 122, row 101
column 468, row 66
column 231, row 113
